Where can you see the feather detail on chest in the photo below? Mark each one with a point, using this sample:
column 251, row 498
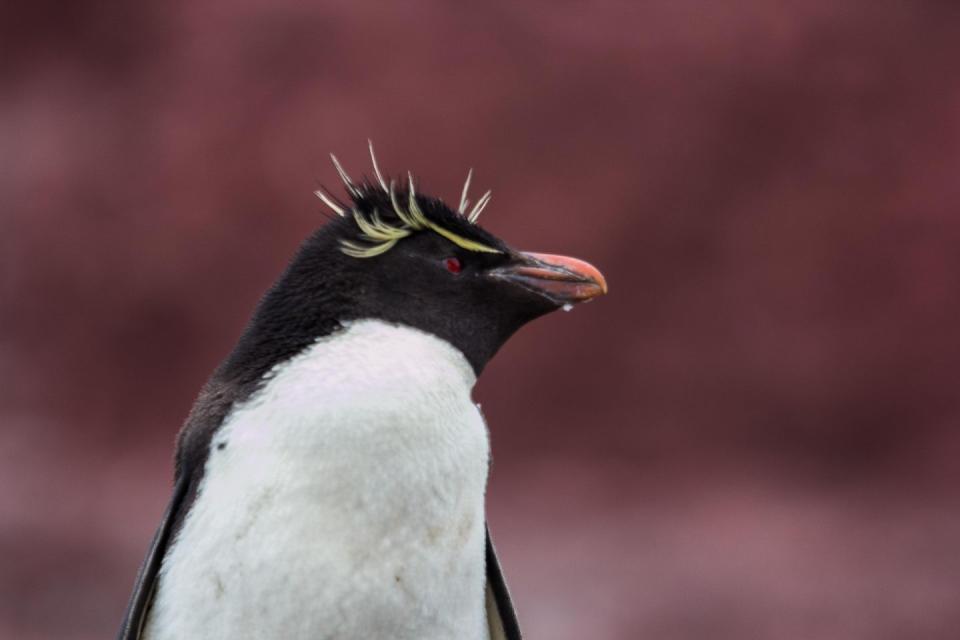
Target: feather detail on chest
column 342, row 497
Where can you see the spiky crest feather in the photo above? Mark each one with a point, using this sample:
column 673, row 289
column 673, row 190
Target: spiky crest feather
column 379, row 235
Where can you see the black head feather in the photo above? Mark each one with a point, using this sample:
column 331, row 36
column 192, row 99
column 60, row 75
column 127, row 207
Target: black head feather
column 393, row 208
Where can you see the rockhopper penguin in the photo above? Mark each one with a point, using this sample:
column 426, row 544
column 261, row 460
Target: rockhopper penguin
column 330, row 478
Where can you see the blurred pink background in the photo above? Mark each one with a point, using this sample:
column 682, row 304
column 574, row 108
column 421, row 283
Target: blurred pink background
column 755, row 435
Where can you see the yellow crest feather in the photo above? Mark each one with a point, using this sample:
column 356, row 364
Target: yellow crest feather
column 383, row 236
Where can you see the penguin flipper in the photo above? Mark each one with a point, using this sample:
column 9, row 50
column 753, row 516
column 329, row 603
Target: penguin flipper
column 139, row 606
column 501, row 616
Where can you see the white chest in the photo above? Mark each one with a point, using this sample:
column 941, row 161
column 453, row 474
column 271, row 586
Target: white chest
column 346, row 502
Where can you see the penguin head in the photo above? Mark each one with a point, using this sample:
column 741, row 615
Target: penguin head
column 400, row 256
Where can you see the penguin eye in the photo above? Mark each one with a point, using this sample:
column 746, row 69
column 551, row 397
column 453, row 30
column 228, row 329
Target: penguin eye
column 453, row 265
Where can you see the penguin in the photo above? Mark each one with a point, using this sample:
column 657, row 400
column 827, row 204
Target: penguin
column 330, row 478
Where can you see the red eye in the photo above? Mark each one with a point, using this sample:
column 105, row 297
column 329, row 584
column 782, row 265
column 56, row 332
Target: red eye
column 453, row 265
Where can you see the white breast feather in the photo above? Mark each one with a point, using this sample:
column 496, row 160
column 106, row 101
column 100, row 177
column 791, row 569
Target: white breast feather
column 347, row 502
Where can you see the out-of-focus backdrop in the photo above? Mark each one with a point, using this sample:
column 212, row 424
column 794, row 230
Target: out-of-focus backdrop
column 755, row 435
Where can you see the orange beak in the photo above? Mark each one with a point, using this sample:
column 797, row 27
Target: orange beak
column 562, row 279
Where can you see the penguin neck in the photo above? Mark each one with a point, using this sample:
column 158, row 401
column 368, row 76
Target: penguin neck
column 370, row 356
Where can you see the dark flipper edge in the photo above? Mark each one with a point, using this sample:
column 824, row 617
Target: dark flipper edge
column 497, row 587
column 139, row 606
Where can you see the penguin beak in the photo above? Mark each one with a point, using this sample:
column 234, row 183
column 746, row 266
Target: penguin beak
column 562, row 279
